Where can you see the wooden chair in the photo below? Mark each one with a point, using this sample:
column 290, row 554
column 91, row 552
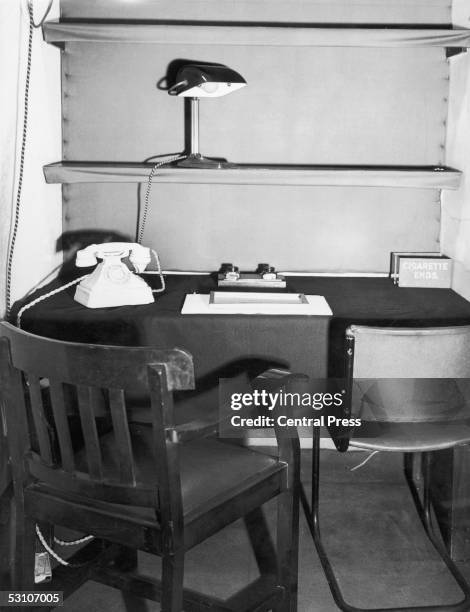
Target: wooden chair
column 5, row 505
column 411, row 389
column 156, row 487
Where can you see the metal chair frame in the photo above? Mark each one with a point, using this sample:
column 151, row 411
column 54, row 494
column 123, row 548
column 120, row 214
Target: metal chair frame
column 423, row 507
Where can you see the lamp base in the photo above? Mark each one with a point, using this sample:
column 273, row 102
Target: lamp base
column 196, row 160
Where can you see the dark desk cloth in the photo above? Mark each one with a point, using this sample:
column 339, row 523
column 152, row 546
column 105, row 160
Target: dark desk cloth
column 298, row 342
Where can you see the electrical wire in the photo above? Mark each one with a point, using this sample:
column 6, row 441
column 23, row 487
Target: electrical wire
column 16, row 214
column 149, row 189
column 49, row 549
column 17, row 208
column 57, row 557
column 44, row 17
column 45, row 296
column 368, row 458
column 74, row 542
column 157, row 271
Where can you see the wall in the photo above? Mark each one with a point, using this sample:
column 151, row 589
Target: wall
column 314, row 11
column 311, row 105
column 40, row 220
column 456, row 205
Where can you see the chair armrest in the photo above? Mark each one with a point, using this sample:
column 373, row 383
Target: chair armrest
column 271, row 380
column 287, row 436
column 192, row 430
column 207, row 422
column 277, row 378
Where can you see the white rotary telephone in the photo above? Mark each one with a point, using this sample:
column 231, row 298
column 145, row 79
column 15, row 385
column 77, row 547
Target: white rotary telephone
column 112, row 283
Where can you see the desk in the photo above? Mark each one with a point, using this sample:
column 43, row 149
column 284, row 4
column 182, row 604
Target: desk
column 301, row 343
column 312, row 345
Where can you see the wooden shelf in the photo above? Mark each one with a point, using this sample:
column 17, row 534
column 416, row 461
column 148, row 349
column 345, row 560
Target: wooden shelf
column 271, row 34
column 420, row 177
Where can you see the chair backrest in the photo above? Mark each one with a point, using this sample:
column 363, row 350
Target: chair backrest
column 409, row 374
column 388, row 352
column 47, row 384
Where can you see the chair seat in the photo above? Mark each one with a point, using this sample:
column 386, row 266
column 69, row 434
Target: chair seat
column 210, row 470
column 411, row 437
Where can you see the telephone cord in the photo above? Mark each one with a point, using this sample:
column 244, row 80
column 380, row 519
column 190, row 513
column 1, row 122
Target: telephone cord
column 57, row 557
column 74, row 542
column 77, row 280
column 44, row 297
column 149, row 189
column 17, row 209
column 159, row 272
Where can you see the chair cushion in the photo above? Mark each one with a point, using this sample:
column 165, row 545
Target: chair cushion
column 209, row 468
column 411, row 437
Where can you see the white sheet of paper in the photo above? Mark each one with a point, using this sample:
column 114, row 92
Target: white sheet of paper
column 198, row 303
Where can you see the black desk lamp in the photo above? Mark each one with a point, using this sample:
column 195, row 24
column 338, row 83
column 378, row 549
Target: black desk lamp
column 196, row 81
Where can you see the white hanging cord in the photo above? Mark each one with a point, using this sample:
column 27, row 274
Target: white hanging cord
column 158, row 165
column 159, row 272
column 49, row 549
column 365, row 461
column 45, row 296
column 39, row 299
column 62, row 543
column 73, row 542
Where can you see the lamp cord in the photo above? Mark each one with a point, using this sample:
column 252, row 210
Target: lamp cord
column 158, row 165
column 17, row 209
column 44, row 17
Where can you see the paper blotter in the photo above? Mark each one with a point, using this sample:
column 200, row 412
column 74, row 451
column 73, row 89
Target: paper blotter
column 219, row 302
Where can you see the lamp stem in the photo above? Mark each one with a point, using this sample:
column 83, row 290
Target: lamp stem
column 194, row 126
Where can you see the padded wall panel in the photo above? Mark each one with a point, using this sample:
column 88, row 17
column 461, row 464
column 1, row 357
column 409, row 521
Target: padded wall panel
column 302, row 105
column 328, row 229
column 365, row 11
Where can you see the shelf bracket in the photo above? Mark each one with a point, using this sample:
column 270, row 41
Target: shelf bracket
column 451, row 51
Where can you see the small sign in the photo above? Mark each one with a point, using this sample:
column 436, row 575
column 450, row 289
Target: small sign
column 422, row 270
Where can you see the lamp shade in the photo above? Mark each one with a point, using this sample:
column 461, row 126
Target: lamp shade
column 206, row 81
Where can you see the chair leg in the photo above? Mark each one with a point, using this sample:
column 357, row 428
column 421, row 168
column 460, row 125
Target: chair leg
column 288, row 547
column 126, row 559
column 172, row 582
column 313, row 521
column 7, row 537
column 25, row 555
column 261, row 541
column 424, row 511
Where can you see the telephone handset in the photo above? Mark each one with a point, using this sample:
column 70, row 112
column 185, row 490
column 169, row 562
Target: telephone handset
column 113, row 283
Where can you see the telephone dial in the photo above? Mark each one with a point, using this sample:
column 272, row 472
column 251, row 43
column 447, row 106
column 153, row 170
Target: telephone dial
column 113, row 283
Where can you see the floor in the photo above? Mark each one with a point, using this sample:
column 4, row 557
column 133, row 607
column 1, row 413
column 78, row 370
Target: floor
column 370, row 529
